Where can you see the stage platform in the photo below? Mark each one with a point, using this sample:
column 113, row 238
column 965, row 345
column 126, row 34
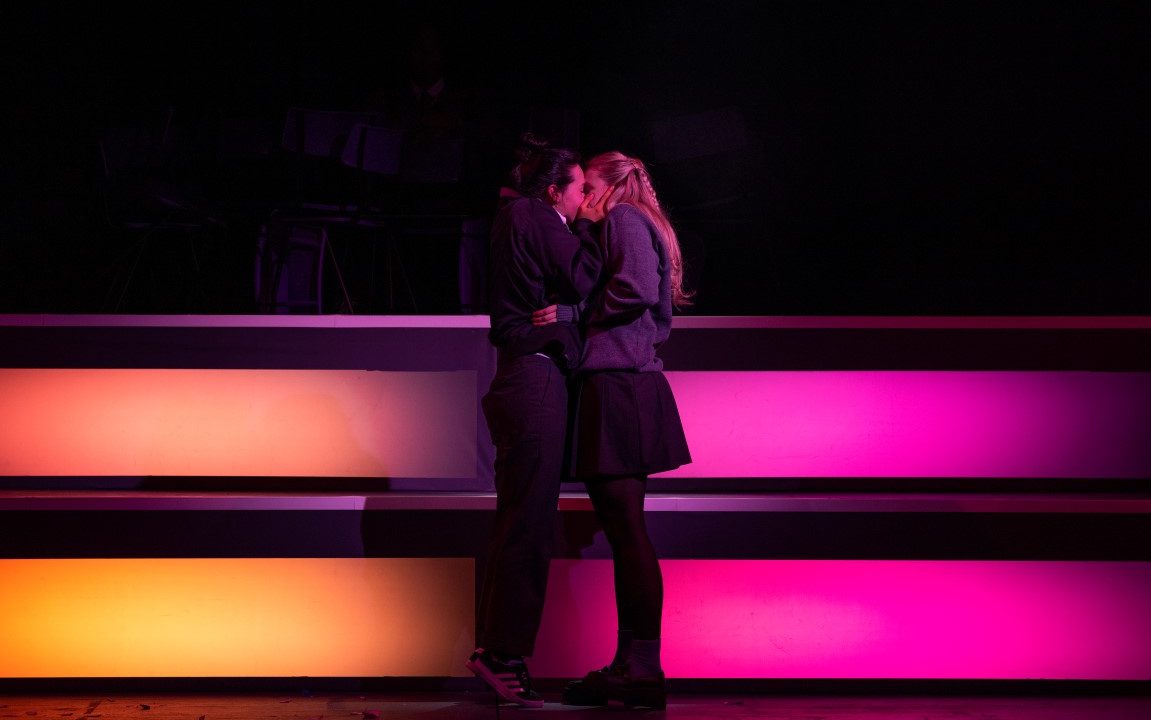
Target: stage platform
column 480, row 706
column 872, row 499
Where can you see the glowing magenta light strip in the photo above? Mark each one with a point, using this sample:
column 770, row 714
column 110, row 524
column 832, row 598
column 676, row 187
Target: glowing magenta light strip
column 915, row 424
column 844, row 619
column 739, row 424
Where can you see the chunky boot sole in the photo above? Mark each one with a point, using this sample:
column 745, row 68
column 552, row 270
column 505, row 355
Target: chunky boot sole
column 654, row 698
column 580, row 693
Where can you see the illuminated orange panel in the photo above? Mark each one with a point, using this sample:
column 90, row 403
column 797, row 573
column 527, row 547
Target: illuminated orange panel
column 306, row 423
column 264, row 617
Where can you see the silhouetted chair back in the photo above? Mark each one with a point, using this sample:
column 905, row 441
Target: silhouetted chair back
column 144, row 200
column 290, row 268
column 473, row 264
column 315, row 140
column 373, row 149
column 320, row 133
column 373, row 153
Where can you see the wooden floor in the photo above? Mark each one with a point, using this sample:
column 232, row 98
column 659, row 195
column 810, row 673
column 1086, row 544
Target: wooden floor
column 481, row 705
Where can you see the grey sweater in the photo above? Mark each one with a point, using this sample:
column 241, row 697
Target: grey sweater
column 628, row 317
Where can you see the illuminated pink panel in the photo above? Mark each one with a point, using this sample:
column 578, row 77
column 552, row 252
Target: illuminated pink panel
column 843, row 619
column 915, row 424
column 312, row 423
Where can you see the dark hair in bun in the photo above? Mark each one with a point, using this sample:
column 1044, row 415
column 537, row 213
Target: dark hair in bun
column 541, row 166
column 530, row 144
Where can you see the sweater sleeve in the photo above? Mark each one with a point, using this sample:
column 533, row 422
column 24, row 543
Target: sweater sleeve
column 569, row 258
column 632, row 266
column 586, row 263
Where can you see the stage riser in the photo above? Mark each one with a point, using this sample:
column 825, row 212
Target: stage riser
column 371, row 617
column 131, row 551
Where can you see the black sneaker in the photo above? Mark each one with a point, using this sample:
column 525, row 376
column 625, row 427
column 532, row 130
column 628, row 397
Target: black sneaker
column 509, row 678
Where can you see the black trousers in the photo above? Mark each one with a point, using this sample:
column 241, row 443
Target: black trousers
column 526, row 412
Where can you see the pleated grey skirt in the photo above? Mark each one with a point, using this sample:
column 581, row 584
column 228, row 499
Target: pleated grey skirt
column 625, row 423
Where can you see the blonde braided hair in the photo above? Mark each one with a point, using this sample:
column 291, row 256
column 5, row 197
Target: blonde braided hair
column 633, row 186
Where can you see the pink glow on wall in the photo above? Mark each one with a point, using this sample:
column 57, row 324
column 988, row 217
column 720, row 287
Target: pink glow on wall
column 311, row 423
column 343, row 423
column 843, row 619
column 915, row 424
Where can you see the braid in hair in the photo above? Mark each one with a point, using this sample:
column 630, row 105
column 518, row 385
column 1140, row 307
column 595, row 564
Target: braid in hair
column 617, row 169
column 646, row 180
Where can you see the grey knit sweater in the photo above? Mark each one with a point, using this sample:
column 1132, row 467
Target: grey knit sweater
column 628, row 317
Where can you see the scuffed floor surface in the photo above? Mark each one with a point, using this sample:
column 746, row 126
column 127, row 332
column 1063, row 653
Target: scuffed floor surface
column 481, row 706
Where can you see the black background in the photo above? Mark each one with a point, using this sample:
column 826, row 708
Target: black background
column 899, row 158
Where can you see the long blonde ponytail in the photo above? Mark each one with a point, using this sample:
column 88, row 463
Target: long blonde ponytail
column 633, row 186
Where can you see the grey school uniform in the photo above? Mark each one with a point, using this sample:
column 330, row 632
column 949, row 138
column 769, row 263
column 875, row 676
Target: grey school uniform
column 626, row 421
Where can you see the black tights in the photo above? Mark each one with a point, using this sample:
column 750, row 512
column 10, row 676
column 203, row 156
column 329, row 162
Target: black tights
column 618, row 503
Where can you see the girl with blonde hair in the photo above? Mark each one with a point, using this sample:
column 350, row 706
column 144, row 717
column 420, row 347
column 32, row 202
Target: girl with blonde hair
column 626, row 425
column 623, row 179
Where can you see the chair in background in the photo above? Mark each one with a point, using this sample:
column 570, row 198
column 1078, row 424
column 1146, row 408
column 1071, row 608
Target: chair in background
column 290, row 268
column 248, row 163
column 436, row 206
column 372, row 188
column 320, row 133
column 316, row 141
column 473, row 264
column 295, row 240
column 375, row 154
column 143, row 198
column 373, row 149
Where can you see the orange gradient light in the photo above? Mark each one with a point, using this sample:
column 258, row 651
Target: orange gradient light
column 296, row 423
column 248, row 617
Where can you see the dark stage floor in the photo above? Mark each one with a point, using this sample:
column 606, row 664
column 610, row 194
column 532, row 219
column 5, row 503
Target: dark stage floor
column 469, row 705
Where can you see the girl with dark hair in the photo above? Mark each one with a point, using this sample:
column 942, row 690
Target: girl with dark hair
column 527, row 149
column 536, row 260
column 626, row 424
